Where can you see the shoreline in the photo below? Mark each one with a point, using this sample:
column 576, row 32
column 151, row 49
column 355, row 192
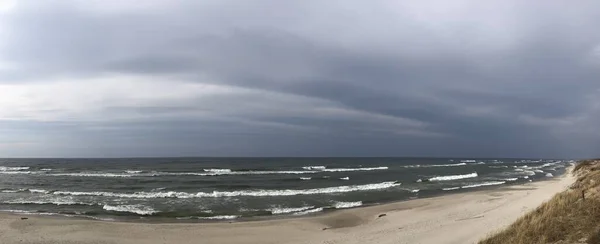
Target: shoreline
column 464, row 217
column 260, row 218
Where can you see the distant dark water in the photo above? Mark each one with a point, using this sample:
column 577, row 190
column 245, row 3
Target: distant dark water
column 231, row 188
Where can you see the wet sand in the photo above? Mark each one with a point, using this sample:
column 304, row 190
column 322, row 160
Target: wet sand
column 457, row 218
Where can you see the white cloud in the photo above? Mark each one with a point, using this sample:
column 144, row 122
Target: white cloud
column 7, row 5
column 124, row 98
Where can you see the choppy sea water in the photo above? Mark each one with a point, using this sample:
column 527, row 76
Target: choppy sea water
column 205, row 189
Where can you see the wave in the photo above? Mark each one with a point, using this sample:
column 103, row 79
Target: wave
column 217, row 170
column 415, row 190
column 468, row 161
column 50, row 202
column 347, row 204
column 314, row 167
column 220, row 217
column 133, row 171
column 434, row 165
column 5, row 168
column 232, row 173
column 305, row 178
column 354, row 169
column 454, row 177
column 345, row 178
column 450, row 188
column 24, row 190
column 511, row 179
column 46, row 169
column 315, row 210
column 288, row 210
column 250, row 193
column 12, row 191
column 538, row 171
column 91, row 174
column 491, row 183
column 15, row 172
column 549, row 175
column 498, row 167
column 136, row 209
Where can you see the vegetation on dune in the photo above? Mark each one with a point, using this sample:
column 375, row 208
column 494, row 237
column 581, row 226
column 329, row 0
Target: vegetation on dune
column 570, row 217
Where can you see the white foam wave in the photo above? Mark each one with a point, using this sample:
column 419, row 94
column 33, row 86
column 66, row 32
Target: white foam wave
column 5, row 168
column 345, row 178
column 538, row 171
column 314, row 167
column 491, row 183
column 13, row 191
column 498, row 167
column 347, row 204
column 288, row 210
column 450, row 188
column 252, row 193
column 233, row 173
column 315, row 210
column 133, row 171
column 549, row 175
column 454, row 177
column 220, row 217
column 419, row 181
column 530, row 173
column 415, row 190
column 526, row 177
column 468, row 161
column 137, row 209
column 445, row 165
column 46, row 169
column 218, row 170
column 15, row 172
column 53, row 202
column 435, row 165
column 305, row 178
column 511, row 179
column 354, row 169
column 38, row 191
column 91, row 174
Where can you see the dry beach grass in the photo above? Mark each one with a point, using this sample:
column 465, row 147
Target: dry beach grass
column 572, row 216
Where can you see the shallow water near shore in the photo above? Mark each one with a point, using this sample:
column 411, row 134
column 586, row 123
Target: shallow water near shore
column 226, row 189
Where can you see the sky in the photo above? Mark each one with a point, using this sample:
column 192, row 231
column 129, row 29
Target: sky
column 461, row 78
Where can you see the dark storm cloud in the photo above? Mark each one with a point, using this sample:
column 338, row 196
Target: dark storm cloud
column 504, row 78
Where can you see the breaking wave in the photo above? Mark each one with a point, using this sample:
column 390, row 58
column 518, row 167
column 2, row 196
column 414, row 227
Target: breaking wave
column 5, row 168
column 251, row 193
column 491, row 183
column 314, row 167
column 347, row 204
column 136, row 209
column 453, row 177
column 289, row 210
column 315, row 210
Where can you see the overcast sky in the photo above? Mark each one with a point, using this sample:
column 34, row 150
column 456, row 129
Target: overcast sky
column 506, row 78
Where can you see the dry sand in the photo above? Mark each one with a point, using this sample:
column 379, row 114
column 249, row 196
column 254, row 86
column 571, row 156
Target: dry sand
column 457, row 218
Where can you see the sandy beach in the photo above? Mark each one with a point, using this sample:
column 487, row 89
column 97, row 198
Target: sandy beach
column 456, row 218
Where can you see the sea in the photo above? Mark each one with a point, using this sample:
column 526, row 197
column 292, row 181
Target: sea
column 238, row 189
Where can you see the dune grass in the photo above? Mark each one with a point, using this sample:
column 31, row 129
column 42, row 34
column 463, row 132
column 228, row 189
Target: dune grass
column 572, row 216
